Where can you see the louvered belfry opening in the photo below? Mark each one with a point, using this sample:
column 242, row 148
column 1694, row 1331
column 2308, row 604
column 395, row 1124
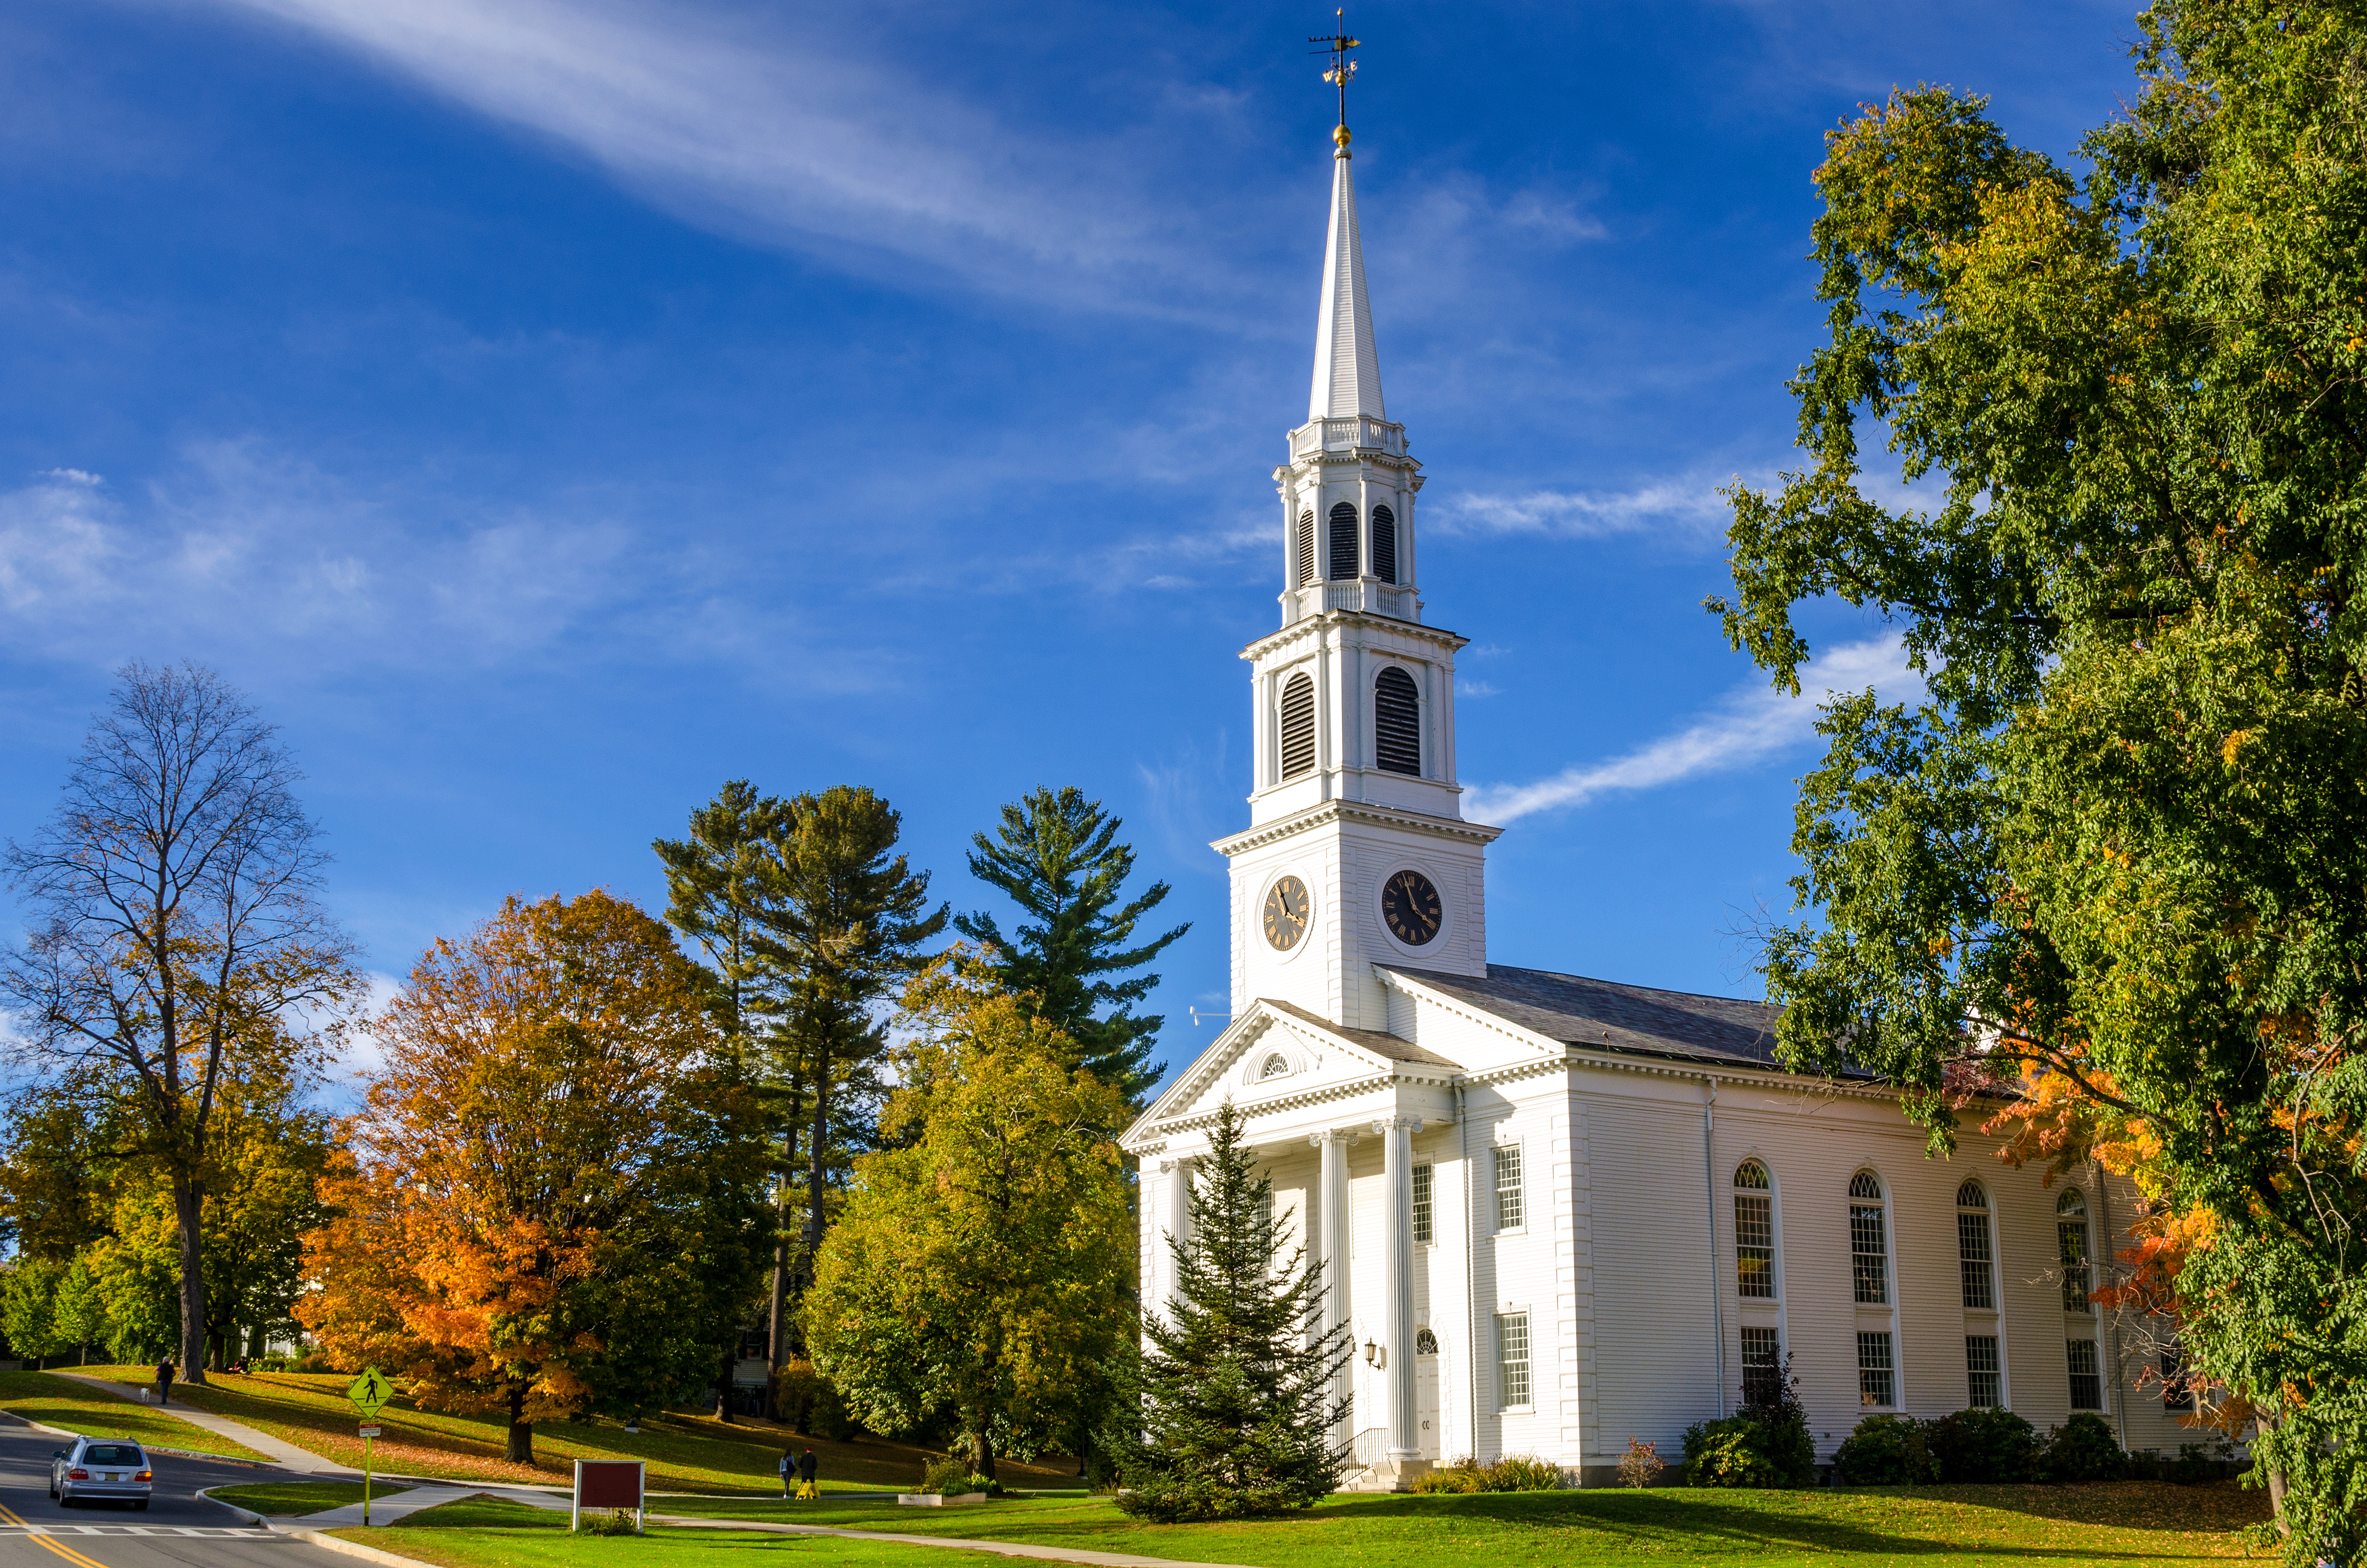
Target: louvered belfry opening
column 1297, row 727
column 1306, row 548
column 1385, row 544
column 1397, row 722
column 1344, row 542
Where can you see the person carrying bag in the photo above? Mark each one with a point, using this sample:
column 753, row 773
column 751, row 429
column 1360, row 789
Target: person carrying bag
column 808, row 1467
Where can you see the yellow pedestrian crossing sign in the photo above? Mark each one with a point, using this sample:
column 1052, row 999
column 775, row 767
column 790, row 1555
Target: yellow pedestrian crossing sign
column 369, row 1391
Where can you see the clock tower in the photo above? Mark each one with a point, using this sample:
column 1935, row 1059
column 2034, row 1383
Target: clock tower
column 1357, row 852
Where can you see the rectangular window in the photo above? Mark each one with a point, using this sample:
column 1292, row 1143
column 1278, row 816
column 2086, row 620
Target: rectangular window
column 1513, row 1358
column 1508, row 1188
column 2177, row 1393
column 2086, row 1384
column 1876, row 1384
column 2073, row 1237
column 1754, row 1245
column 1983, row 1381
column 1974, row 1257
column 1421, row 1233
column 1869, row 1255
column 1762, row 1367
column 755, row 1344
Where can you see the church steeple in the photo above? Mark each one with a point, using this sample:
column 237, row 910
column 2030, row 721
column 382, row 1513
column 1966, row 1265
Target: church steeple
column 1347, row 370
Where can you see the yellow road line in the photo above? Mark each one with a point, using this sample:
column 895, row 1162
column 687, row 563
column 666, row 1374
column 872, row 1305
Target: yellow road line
column 52, row 1542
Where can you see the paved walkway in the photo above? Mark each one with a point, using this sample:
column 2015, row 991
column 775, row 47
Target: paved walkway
column 1002, row 1548
column 279, row 1449
column 385, row 1510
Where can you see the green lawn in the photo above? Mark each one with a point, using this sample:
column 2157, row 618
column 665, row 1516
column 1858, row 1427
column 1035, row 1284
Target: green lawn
column 54, row 1401
column 2001, row 1527
column 685, row 1452
column 484, row 1534
column 283, row 1499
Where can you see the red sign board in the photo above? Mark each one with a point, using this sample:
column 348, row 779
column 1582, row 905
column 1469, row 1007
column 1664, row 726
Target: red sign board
column 609, row 1484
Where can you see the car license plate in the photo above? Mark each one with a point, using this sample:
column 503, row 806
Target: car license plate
column 111, row 1476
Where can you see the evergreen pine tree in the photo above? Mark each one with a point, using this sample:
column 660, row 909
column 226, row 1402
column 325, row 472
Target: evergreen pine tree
column 1055, row 855
column 1236, row 1408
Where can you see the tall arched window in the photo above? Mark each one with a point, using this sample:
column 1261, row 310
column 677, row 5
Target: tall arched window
column 1297, row 727
column 1344, row 542
column 1305, row 543
column 2071, row 1241
column 1976, row 1258
column 1754, row 1232
column 1869, row 1241
column 1397, row 722
column 1385, row 544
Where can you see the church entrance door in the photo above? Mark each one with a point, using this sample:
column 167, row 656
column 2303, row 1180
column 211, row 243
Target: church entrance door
column 1425, row 1400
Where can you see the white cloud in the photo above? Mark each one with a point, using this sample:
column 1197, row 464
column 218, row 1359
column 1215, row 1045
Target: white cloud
column 1755, row 722
column 1687, row 507
column 1476, row 689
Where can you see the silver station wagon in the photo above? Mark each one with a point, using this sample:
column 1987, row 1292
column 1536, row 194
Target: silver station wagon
column 101, row 1467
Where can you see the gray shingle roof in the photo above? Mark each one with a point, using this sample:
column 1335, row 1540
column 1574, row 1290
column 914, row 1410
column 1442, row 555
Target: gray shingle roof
column 1386, row 1045
column 1602, row 1015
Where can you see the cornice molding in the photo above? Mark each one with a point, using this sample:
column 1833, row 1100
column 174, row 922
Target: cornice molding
column 1308, row 625
column 1328, row 812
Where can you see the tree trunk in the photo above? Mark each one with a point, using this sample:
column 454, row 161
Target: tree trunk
column 817, row 1162
column 981, row 1448
column 776, row 1341
column 188, row 1209
column 723, row 1382
column 521, row 1435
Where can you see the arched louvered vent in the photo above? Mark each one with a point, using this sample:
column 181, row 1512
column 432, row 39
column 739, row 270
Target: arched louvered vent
column 1342, row 543
column 1306, row 548
column 1385, row 544
column 1297, row 727
column 1397, row 722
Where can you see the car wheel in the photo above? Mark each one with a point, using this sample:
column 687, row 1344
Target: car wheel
column 140, row 1507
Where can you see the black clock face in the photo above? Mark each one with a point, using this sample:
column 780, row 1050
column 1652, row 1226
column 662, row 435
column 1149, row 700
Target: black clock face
column 1285, row 914
column 1409, row 907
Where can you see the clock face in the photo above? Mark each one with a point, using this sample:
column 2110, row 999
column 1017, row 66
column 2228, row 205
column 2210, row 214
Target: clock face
column 1409, row 907
column 1285, row 914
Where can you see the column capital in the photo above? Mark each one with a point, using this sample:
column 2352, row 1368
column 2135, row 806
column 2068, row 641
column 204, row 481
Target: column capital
column 1332, row 1135
column 1386, row 1125
column 1173, row 1163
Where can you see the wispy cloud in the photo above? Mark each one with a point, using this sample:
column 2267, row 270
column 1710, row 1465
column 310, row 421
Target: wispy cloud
column 1754, row 722
column 1689, row 506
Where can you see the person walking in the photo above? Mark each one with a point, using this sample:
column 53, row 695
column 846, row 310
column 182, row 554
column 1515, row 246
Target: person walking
column 789, row 1469
column 164, row 1370
column 809, row 1468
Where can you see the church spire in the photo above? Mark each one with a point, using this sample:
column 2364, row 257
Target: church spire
column 1347, row 370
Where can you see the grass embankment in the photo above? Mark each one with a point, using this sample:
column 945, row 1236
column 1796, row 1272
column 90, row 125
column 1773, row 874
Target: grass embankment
column 56, row 1402
column 1949, row 1527
column 685, row 1452
column 289, row 1499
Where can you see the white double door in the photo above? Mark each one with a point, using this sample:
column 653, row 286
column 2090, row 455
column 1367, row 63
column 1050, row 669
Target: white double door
column 1425, row 1406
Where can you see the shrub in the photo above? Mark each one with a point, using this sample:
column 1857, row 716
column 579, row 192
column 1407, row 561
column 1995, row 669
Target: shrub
column 2193, row 1465
column 1728, row 1459
column 2083, row 1449
column 1982, row 1445
column 1884, row 1451
column 608, row 1521
column 1459, row 1475
column 1641, row 1466
column 951, row 1477
column 1521, row 1472
column 1784, row 1440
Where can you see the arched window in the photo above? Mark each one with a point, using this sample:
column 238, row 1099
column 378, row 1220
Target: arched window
column 1385, row 544
column 1276, row 1066
column 1397, row 722
column 1305, row 543
column 1342, row 543
column 1425, row 1342
column 1869, row 1241
column 2071, row 1239
column 1754, row 1232
column 1976, row 1258
column 1297, row 727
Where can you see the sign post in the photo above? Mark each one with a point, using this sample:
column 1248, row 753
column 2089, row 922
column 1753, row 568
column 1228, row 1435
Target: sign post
column 609, row 1483
column 370, row 1394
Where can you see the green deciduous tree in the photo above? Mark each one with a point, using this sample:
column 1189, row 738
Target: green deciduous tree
column 29, row 1308
column 2116, row 858
column 1056, row 856
column 1237, row 1409
column 982, row 1268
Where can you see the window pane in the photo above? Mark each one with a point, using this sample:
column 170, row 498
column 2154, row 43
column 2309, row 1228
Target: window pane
column 2176, row 1394
column 1874, row 1386
column 1869, row 1253
column 2086, row 1383
column 1512, row 1357
column 1762, row 1372
column 1508, row 1188
column 1981, row 1375
column 1973, row 1257
column 1754, row 1245
column 2072, row 1237
column 1422, row 1206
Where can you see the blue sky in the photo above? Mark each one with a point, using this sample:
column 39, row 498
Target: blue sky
column 549, row 409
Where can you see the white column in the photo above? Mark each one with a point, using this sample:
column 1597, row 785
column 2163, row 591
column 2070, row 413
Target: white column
column 1331, row 1215
column 1404, row 1453
column 1178, row 1226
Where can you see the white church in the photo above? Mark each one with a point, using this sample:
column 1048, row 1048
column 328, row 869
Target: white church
column 1559, row 1214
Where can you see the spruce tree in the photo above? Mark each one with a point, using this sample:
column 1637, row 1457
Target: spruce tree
column 1056, row 856
column 1236, row 1409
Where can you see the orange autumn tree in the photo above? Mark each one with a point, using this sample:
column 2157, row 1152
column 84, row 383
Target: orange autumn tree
column 549, row 1206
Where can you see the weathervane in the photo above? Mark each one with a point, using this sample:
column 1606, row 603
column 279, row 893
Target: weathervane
column 1343, row 70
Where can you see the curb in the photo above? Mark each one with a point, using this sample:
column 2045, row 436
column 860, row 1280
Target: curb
column 245, row 1516
column 350, row 1548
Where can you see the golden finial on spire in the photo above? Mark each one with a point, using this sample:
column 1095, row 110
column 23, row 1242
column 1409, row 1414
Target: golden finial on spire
column 1343, row 71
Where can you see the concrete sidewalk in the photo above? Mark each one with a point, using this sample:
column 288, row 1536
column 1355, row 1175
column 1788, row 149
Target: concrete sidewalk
column 280, row 1451
column 1000, row 1548
column 385, row 1510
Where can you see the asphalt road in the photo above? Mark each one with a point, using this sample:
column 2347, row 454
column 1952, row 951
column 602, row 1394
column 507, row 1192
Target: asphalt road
column 179, row 1527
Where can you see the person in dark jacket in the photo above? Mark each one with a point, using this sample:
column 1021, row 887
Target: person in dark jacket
column 164, row 1370
column 809, row 1468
